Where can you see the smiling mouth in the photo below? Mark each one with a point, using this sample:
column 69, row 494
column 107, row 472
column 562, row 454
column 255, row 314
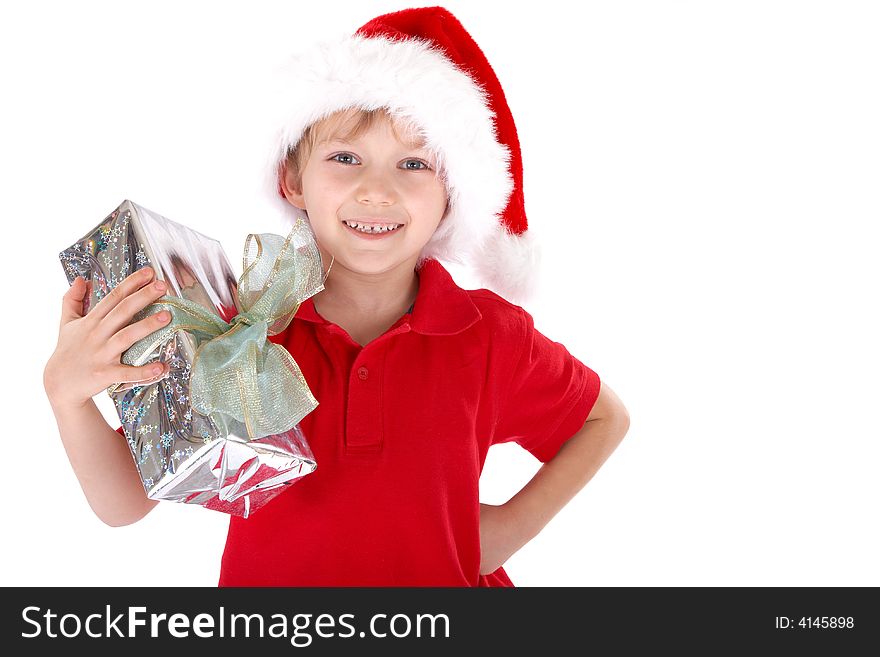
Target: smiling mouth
column 374, row 228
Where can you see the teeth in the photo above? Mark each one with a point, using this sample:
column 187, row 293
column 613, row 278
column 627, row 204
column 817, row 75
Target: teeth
column 368, row 228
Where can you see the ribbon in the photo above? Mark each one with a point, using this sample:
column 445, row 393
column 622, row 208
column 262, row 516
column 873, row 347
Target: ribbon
column 253, row 385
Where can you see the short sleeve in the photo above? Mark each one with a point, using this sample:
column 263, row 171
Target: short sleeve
column 548, row 396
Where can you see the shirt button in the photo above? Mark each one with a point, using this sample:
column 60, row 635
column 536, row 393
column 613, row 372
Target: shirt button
column 363, row 373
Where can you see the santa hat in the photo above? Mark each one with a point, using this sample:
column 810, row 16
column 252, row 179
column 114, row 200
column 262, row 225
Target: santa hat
column 429, row 73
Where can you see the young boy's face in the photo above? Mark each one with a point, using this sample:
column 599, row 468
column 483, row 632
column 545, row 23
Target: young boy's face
column 376, row 179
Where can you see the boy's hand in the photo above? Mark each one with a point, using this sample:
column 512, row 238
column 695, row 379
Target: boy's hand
column 499, row 537
column 88, row 356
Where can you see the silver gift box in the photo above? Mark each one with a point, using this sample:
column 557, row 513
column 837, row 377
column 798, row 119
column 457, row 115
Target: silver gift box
column 181, row 454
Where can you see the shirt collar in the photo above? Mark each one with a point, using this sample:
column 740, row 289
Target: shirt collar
column 441, row 306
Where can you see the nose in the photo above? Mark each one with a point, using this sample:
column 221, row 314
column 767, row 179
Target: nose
column 375, row 188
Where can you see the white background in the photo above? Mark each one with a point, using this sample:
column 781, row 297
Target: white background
column 704, row 178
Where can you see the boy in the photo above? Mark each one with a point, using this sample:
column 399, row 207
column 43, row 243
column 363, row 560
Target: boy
column 387, row 147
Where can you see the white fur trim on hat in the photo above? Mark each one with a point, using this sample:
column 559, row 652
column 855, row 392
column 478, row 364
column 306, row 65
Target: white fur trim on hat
column 509, row 264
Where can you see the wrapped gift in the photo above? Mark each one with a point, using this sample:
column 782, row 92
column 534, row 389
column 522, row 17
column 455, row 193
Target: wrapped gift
column 221, row 428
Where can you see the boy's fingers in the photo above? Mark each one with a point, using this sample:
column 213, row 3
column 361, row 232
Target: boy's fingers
column 143, row 374
column 132, row 283
column 71, row 303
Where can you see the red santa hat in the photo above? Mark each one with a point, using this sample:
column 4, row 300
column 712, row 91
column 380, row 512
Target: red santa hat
column 428, row 72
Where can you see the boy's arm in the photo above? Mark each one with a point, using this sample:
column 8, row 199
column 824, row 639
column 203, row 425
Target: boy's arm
column 510, row 526
column 102, row 462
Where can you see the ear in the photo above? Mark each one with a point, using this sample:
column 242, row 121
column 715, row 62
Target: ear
column 288, row 186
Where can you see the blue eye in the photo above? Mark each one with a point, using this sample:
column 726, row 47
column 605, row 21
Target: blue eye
column 333, row 157
column 424, row 166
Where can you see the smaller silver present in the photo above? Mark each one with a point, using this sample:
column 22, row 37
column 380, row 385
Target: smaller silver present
column 221, row 428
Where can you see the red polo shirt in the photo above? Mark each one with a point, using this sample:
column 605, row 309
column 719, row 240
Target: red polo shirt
column 400, row 436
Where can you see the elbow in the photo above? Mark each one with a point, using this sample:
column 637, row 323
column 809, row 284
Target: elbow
column 613, row 411
column 118, row 522
column 623, row 419
column 617, row 425
column 123, row 518
column 616, row 422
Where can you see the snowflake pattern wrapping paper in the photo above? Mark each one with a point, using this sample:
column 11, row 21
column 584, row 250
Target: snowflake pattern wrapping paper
column 184, row 455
